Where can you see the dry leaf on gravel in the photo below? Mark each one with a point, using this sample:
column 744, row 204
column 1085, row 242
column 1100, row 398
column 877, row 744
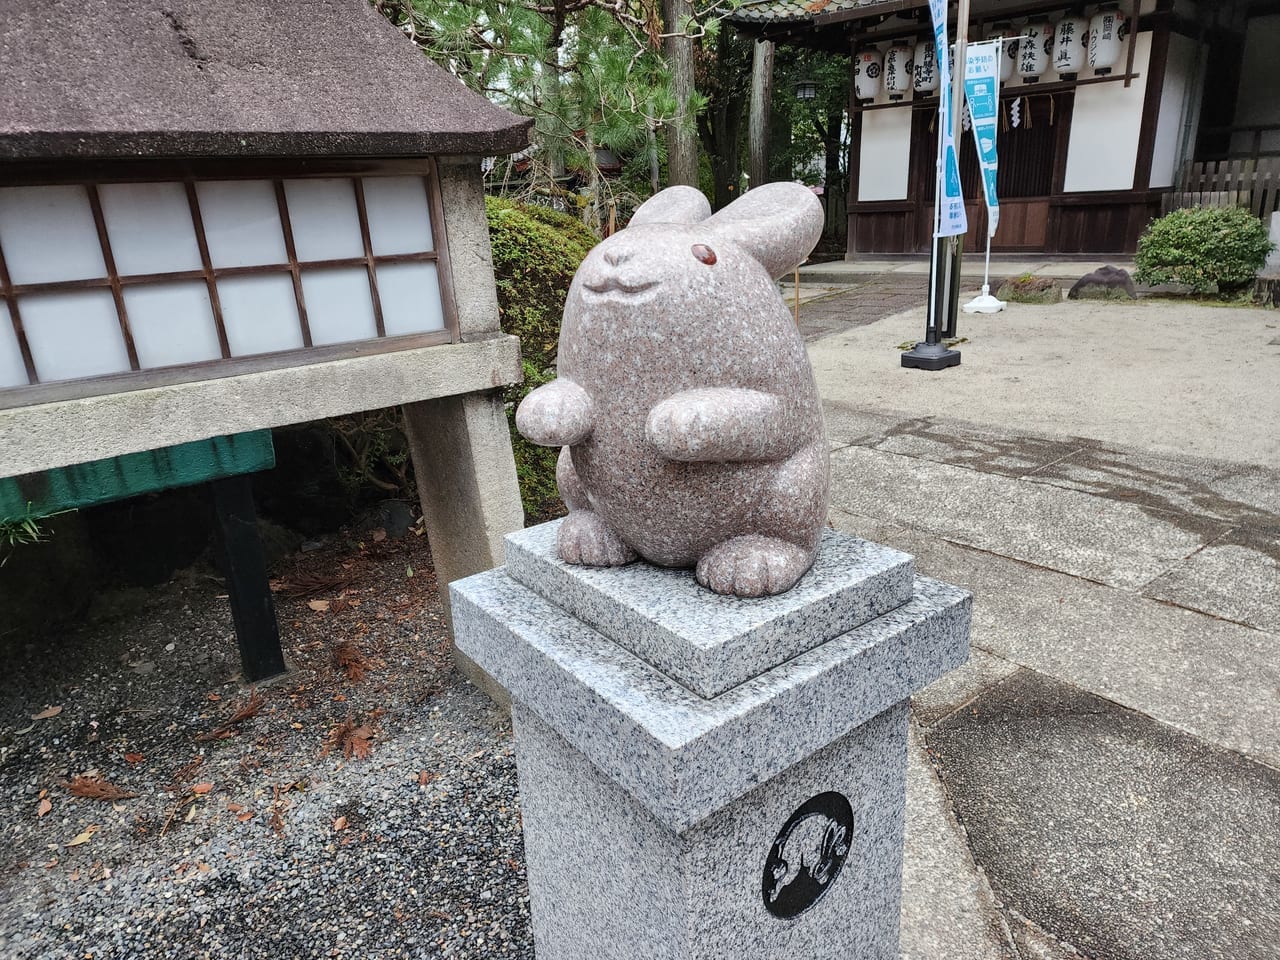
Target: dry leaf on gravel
column 308, row 585
column 340, row 824
column 44, row 807
column 350, row 660
column 319, row 606
column 200, row 789
column 47, row 713
column 95, row 788
column 246, row 711
column 84, row 837
column 354, row 740
column 132, row 758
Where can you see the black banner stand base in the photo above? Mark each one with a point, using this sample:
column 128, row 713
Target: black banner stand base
column 931, row 356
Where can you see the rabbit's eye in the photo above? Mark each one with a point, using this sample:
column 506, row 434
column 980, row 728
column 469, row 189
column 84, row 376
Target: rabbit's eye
column 704, row 253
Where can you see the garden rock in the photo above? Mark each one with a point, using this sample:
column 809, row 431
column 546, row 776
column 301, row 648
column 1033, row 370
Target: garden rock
column 1105, row 283
column 1031, row 290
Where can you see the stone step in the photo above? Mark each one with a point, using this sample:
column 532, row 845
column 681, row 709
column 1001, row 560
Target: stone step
column 708, row 643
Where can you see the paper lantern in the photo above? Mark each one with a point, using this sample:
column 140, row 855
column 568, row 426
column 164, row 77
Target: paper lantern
column 1107, row 31
column 868, row 71
column 1034, row 50
column 1069, row 51
column 898, row 70
column 925, row 64
column 1002, row 31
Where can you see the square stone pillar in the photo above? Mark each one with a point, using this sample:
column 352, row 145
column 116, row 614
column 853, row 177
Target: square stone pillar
column 705, row 777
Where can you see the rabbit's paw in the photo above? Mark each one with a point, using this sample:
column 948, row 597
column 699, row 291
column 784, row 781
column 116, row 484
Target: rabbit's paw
column 556, row 414
column 752, row 566
column 586, row 539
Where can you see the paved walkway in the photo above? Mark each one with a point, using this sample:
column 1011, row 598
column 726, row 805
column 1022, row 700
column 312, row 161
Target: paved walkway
column 1103, row 778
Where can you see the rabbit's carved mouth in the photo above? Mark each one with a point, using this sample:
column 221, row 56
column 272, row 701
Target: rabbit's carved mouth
column 614, row 288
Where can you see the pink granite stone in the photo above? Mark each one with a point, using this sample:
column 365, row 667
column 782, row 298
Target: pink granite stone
column 686, row 406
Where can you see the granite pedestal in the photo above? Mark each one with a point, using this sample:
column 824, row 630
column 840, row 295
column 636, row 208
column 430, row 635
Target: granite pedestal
column 706, row 777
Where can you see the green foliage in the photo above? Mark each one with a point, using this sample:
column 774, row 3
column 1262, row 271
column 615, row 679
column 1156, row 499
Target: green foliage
column 17, row 532
column 535, row 465
column 536, row 252
column 591, row 75
column 1206, row 248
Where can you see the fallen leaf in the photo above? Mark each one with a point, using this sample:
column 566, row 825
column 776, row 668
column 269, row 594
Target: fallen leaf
column 379, row 535
column 200, row 789
column 340, row 824
column 84, row 837
column 213, row 697
column 46, row 713
column 45, row 807
column 133, row 758
column 203, row 867
column 320, row 606
column 425, row 777
column 234, row 808
column 95, row 788
column 247, row 815
column 350, row 660
column 191, row 814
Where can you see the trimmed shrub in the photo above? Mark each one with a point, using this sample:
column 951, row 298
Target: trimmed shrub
column 536, row 252
column 1205, row 248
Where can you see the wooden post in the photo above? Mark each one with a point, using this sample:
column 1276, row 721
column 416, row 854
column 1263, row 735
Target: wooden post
column 245, row 567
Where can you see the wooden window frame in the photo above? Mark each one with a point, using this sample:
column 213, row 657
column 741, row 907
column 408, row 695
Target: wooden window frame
column 188, row 173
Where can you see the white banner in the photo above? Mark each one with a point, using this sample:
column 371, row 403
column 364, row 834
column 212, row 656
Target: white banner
column 951, row 216
column 982, row 90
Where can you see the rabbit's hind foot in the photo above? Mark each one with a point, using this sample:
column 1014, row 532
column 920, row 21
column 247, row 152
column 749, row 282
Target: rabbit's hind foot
column 584, row 538
column 753, row 566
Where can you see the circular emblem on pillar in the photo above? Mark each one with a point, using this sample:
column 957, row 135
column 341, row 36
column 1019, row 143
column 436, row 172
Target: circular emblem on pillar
column 807, row 855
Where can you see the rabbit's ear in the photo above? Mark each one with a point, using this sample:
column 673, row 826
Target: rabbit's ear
column 778, row 223
column 677, row 204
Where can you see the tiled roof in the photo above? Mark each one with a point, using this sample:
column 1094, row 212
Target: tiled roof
column 760, row 13
column 182, row 78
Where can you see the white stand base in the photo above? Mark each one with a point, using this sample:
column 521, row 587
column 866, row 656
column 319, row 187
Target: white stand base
column 985, row 303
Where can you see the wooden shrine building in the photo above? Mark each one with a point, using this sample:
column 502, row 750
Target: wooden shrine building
column 1184, row 108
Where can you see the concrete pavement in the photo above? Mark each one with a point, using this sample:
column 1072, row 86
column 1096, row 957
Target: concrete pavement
column 1103, row 778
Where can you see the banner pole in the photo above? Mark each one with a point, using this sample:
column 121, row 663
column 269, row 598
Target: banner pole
column 930, row 354
column 955, row 251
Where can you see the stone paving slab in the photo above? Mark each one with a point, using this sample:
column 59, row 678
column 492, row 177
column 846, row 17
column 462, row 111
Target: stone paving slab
column 1113, row 543
column 1188, row 485
column 947, row 907
column 1237, row 581
column 1217, row 680
column 1130, row 840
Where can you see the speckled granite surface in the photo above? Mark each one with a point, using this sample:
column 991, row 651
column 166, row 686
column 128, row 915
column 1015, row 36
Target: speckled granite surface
column 685, row 404
column 609, row 882
column 684, row 756
column 712, row 643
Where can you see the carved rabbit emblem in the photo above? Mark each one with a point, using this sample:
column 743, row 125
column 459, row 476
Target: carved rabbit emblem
column 687, row 409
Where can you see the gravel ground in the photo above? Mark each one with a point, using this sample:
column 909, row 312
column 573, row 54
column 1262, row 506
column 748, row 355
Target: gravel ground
column 367, row 808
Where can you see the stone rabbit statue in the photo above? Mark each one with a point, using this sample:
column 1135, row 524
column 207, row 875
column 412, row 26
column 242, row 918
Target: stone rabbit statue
column 685, row 404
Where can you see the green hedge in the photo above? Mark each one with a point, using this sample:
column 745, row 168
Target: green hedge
column 536, row 252
column 1207, row 248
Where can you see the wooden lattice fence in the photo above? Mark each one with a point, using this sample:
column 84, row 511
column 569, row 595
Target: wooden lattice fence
column 1252, row 184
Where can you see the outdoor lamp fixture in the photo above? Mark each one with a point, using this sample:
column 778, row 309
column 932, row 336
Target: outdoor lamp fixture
column 806, row 90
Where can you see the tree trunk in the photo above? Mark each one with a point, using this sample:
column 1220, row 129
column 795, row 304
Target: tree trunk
column 833, row 189
column 682, row 137
column 552, row 138
column 758, row 122
column 655, row 169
